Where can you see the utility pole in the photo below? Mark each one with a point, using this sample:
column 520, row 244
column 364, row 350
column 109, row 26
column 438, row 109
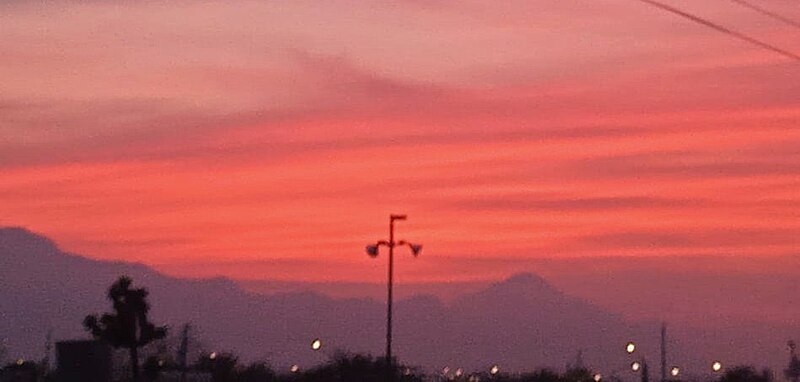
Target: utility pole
column 372, row 250
column 183, row 351
column 48, row 348
column 579, row 365
column 664, row 352
column 792, row 372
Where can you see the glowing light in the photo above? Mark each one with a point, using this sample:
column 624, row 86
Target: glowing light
column 636, row 366
column 212, row 356
column 630, row 347
column 160, row 363
column 316, row 344
column 459, row 372
column 675, row 371
column 445, row 370
column 597, row 377
column 494, row 370
column 716, row 366
column 20, row 362
column 294, row 369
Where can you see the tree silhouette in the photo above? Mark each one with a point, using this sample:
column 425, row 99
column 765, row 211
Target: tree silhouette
column 543, row 375
column 154, row 365
column 128, row 327
column 578, row 374
column 257, row 372
column 363, row 368
column 221, row 366
column 3, row 352
column 746, row 374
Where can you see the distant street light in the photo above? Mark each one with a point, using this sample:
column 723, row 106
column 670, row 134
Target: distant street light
column 294, row 369
column 716, row 366
column 630, row 348
column 597, row 377
column 494, row 370
column 316, row 344
column 372, row 251
column 675, row 371
column 212, row 356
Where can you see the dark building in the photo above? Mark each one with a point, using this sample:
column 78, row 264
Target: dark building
column 83, row 361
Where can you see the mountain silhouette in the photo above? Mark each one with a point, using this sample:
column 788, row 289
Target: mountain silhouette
column 521, row 323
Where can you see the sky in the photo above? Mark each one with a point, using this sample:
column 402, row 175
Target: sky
column 271, row 141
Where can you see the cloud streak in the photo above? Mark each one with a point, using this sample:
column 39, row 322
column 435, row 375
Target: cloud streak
column 527, row 130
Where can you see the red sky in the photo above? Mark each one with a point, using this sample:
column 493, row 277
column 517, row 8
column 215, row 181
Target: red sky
column 272, row 141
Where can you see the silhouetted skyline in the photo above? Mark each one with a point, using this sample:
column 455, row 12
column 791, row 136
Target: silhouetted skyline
column 522, row 322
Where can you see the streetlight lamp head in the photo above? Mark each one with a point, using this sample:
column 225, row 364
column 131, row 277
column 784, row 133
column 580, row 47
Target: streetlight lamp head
column 372, row 250
column 597, row 377
column 316, row 344
column 675, row 371
column 716, row 366
column 630, row 347
column 294, row 368
column 398, row 217
column 636, row 366
column 494, row 370
column 416, row 249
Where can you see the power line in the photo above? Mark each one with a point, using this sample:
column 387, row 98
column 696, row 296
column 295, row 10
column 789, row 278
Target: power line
column 722, row 29
column 767, row 12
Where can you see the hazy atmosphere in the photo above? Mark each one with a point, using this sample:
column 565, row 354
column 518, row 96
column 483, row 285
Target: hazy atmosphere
column 632, row 158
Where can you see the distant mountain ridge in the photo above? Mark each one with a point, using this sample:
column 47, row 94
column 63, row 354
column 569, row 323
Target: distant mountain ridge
column 521, row 323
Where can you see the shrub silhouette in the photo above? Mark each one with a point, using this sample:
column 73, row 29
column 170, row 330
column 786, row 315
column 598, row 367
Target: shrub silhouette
column 221, row 366
column 257, row 372
column 746, row 374
column 363, row 368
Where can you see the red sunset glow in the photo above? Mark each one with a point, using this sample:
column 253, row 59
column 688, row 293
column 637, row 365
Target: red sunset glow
column 272, row 141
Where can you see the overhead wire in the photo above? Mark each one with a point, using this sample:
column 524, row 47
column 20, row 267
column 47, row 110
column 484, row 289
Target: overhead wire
column 722, row 29
column 768, row 13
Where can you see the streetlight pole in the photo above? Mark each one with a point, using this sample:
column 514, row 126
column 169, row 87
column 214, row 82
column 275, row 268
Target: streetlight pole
column 663, row 352
column 372, row 250
column 389, row 297
column 642, row 363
